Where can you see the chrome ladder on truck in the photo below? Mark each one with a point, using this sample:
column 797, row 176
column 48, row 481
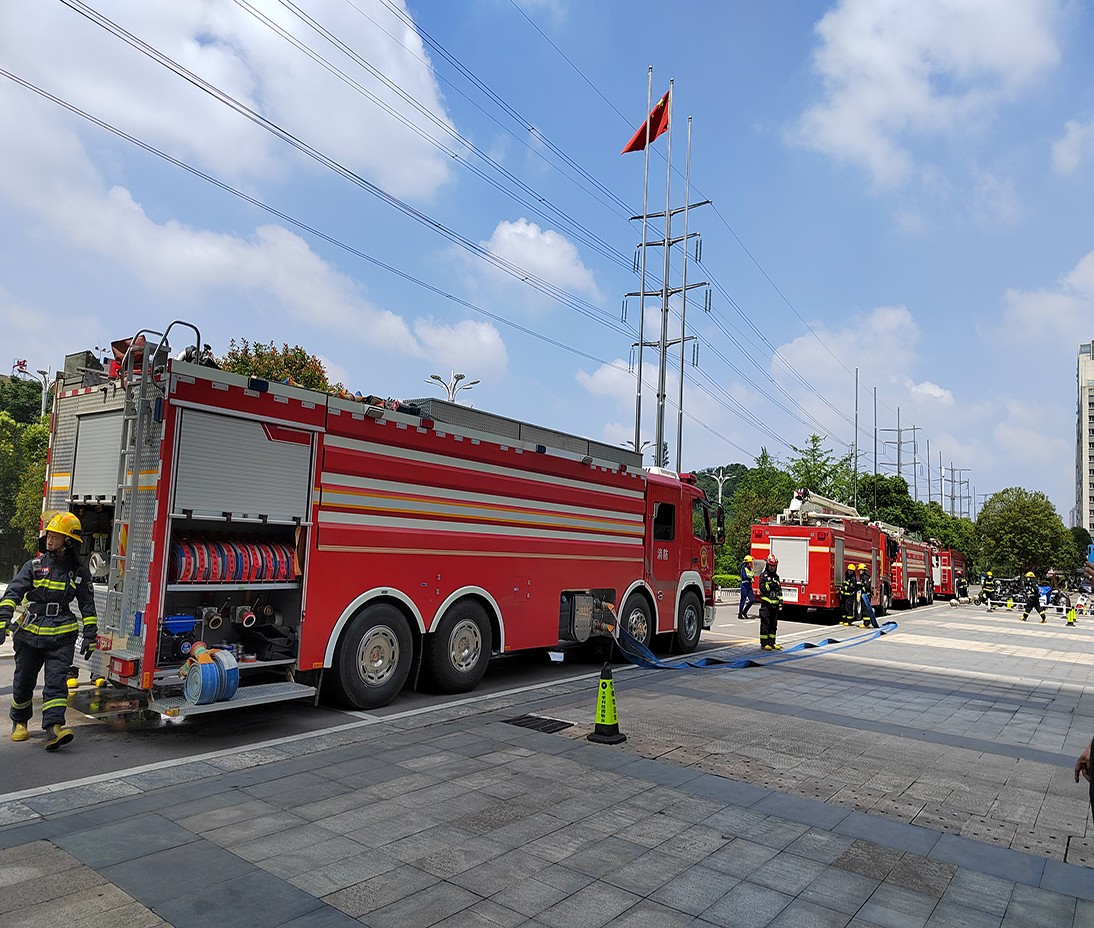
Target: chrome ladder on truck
column 131, row 545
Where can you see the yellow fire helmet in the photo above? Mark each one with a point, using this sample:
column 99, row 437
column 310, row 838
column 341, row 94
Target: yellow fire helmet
column 989, row 573
column 65, row 523
column 1030, row 573
column 863, row 566
column 748, row 557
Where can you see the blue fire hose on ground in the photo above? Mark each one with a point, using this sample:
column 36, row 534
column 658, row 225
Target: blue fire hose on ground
column 641, row 656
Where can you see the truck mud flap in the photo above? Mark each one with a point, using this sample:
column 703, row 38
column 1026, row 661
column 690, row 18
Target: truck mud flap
column 641, row 656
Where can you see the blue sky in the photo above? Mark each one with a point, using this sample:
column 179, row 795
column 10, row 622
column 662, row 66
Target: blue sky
column 900, row 188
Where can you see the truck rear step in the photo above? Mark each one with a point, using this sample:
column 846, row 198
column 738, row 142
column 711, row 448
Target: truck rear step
column 178, row 707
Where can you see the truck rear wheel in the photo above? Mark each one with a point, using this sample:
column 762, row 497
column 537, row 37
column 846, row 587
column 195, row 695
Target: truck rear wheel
column 373, row 658
column 689, row 623
column 459, row 650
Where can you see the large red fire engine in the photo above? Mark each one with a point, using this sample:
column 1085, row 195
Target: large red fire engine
column 331, row 541
column 815, row 539
column 946, row 563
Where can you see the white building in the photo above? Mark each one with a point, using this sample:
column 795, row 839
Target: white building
column 1084, row 439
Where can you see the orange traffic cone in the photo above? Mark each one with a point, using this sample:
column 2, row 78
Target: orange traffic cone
column 607, row 724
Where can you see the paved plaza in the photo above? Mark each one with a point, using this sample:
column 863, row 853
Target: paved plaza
column 920, row 778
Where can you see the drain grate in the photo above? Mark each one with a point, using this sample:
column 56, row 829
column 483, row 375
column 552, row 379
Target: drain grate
column 539, row 723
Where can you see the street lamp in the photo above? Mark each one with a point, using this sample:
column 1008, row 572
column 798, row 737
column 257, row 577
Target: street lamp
column 452, row 385
column 45, row 388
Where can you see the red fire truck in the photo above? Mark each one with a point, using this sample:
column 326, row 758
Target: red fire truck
column 946, row 562
column 910, row 577
column 815, row 539
column 309, row 539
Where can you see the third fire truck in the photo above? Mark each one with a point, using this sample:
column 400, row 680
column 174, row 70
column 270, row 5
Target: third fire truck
column 306, row 539
column 815, row 539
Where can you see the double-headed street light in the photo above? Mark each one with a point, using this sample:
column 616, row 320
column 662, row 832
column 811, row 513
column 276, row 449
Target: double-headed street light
column 452, row 385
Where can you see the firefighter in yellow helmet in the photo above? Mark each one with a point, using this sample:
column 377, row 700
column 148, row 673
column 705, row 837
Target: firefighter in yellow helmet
column 748, row 597
column 46, row 635
column 1032, row 592
column 866, row 591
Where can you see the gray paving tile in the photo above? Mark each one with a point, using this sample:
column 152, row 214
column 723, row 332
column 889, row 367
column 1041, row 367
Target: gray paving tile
column 1068, row 879
column 694, row 890
column 647, row 914
column 423, row 908
column 954, row 915
column 529, row 896
column 594, row 906
column 323, row 879
column 740, row 858
column 995, row 861
column 787, row 873
column 894, row 907
column 203, row 863
column 747, row 905
column 883, row 830
column 379, row 891
column 806, row 811
column 775, row 832
column 1032, row 906
column 869, row 859
column 133, row 838
column 803, row 914
column 842, row 890
column 604, row 857
column 930, row 877
column 254, row 899
column 647, row 873
column 325, row 917
column 979, row 891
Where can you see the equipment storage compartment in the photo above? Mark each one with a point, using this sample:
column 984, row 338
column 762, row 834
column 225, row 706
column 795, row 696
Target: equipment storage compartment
column 233, row 588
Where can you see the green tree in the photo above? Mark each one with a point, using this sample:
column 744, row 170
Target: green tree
column 762, row 491
column 21, row 399
column 886, row 498
column 1020, row 530
column 268, row 362
column 815, row 468
column 28, row 497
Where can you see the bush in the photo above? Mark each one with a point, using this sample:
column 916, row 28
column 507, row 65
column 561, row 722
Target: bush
column 726, row 580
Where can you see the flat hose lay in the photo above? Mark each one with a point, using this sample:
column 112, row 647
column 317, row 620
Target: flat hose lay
column 641, row 656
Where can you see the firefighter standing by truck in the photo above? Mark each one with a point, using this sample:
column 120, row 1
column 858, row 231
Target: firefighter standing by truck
column 961, row 586
column 747, row 596
column 771, row 600
column 848, row 594
column 865, row 591
column 1032, row 593
column 46, row 635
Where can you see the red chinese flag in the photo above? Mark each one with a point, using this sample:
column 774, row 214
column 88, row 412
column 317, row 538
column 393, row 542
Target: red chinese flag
column 657, row 124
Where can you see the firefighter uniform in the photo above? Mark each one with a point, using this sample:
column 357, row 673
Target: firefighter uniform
column 961, row 586
column 747, row 596
column 1032, row 594
column 987, row 591
column 46, row 635
column 865, row 591
column 771, row 600
column 848, row 593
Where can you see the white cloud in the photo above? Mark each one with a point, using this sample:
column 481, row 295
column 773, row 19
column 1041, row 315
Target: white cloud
column 50, row 46
column 1061, row 316
column 475, row 348
column 542, row 253
column 895, row 73
column 1078, row 141
column 930, row 391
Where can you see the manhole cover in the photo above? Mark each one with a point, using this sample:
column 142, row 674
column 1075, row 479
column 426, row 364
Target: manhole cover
column 539, row 723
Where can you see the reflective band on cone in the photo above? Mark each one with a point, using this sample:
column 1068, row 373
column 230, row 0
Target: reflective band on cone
column 606, row 730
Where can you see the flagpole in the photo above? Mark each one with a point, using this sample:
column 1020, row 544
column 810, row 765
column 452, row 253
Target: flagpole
column 662, row 349
column 642, row 290
column 683, row 308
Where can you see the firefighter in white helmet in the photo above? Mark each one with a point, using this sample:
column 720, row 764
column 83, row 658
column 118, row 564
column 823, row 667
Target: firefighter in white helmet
column 771, row 600
column 46, row 636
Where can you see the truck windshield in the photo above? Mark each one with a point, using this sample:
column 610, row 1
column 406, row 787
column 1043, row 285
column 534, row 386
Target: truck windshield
column 700, row 520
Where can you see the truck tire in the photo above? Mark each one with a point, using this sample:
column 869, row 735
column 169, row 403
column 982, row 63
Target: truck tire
column 459, row 650
column 913, row 595
column 636, row 618
column 373, row 658
column 689, row 624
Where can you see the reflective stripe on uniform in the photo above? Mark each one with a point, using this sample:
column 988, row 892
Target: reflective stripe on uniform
column 55, row 704
column 69, row 628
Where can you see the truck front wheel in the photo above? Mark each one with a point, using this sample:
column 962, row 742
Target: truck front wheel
column 459, row 650
column 373, row 658
column 689, row 623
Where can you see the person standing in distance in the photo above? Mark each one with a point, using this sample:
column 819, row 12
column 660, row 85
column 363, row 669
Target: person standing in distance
column 987, row 591
column 771, row 600
column 747, row 596
column 848, row 594
column 1032, row 593
column 865, row 592
column 46, row 636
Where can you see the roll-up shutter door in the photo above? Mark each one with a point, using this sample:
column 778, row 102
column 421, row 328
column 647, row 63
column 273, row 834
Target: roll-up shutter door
column 98, row 450
column 241, row 466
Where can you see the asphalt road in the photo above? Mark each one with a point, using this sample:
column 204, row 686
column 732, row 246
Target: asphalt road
column 114, row 733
